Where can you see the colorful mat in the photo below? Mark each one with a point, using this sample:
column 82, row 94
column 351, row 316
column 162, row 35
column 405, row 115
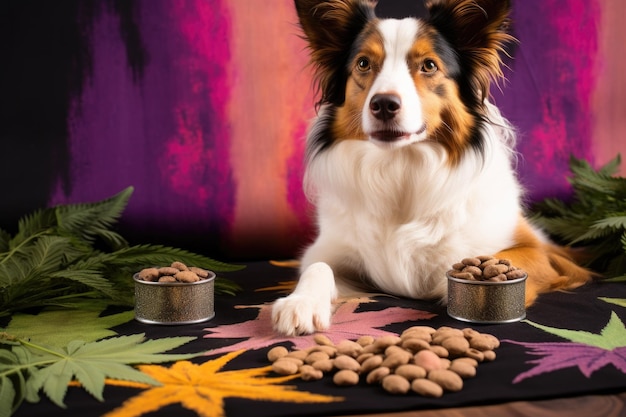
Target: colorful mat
column 571, row 343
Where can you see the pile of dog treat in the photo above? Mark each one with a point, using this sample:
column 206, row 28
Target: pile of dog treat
column 486, row 268
column 176, row 272
column 422, row 359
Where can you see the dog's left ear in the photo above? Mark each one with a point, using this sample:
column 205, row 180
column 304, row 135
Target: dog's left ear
column 478, row 30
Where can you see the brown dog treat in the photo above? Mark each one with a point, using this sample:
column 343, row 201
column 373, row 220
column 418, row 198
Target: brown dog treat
column 316, row 356
column 384, row 342
column 350, row 348
column 346, row 377
column 475, row 354
column 285, row 367
column 484, row 341
column 440, row 351
column 202, row 273
column 447, row 379
column 325, row 365
column 488, row 262
column 346, row 362
column 456, row 345
column 186, row 276
column 458, row 266
column 471, row 261
column 168, row 270
column 396, row 359
column 515, row 274
column 276, row 353
column 410, row 371
column 427, row 359
column 167, row 278
column 462, row 275
column 309, row 373
column 497, row 278
column 376, row 375
column 365, row 340
column 322, row 339
column 494, row 270
column 427, row 388
column 396, row 384
column 179, row 265
column 371, row 363
column 464, row 369
column 148, row 274
column 474, row 270
column 298, row 354
column 415, row 344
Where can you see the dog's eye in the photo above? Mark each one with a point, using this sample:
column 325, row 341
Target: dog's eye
column 429, row 66
column 363, row 64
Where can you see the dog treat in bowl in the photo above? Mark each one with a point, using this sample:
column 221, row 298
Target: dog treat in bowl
column 486, row 268
column 177, row 270
column 484, row 289
column 174, row 294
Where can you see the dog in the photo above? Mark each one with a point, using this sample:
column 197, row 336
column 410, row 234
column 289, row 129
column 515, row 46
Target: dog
column 409, row 165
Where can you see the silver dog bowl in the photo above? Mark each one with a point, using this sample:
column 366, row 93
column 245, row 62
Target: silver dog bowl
column 485, row 301
column 174, row 302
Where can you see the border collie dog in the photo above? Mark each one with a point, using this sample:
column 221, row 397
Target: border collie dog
column 409, row 166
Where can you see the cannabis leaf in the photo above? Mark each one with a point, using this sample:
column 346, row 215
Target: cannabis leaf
column 585, row 350
column 27, row 368
column 346, row 324
column 594, row 218
column 69, row 253
column 60, row 326
column 203, row 388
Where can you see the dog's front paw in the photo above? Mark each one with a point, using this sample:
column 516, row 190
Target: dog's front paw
column 299, row 314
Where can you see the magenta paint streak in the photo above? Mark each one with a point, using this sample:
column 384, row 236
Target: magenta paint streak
column 549, row 90
column 165, row 133
column 295, row 194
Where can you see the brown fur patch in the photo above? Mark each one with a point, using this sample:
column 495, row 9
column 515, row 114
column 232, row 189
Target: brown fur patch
column 448, row 121
column 348, row 123
column 549, row 267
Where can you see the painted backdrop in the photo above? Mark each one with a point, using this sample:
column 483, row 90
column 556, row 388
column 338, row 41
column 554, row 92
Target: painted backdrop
column 202, row 106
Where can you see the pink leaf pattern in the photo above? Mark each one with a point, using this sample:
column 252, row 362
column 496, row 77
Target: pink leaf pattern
column 557, row 356
column 347, row 323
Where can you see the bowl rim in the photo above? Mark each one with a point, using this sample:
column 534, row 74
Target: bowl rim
column 206, row 280
column 486, row 283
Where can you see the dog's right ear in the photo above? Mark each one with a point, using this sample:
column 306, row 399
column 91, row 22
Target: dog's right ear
column 330, row 27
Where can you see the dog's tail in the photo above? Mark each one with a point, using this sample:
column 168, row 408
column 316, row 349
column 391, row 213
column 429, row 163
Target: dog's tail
column 550, row 267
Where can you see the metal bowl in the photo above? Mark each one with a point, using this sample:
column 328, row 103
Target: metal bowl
column 485, row 301
column 174, row 302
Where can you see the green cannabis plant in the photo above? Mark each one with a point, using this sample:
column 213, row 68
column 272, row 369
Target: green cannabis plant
column 56, row 258
column 594, row 218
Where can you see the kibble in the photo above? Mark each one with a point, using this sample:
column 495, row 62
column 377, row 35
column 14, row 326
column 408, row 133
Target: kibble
column 397, row 363
column 486, row 268
column 447, row 379
column 396, row 384
column 427, row 388
column 176, row 272
column 346, row 377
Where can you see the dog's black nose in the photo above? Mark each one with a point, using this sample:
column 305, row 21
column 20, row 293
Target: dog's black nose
column 385, row 106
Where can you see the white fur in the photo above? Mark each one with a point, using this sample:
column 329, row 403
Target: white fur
column 395, row 77
column 400, row 216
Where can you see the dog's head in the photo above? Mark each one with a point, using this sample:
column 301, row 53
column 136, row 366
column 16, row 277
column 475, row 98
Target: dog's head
column 397, row 82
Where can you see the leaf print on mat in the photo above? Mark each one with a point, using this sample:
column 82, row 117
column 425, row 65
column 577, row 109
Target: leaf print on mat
column 617, row 301
column 586, row 351
column 202, row 388
column 346, row 324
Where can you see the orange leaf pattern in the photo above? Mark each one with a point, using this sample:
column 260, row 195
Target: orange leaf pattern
column 202, row 388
